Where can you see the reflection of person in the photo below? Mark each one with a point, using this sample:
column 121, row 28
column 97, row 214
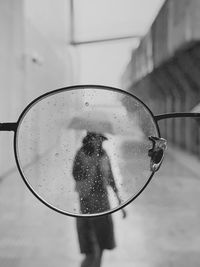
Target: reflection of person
column 92, row 173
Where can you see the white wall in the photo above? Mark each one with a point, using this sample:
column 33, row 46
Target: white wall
column 35, row 57
column 49, row 58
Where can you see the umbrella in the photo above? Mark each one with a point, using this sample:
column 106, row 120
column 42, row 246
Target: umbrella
column 104, row 122
column 92, row 122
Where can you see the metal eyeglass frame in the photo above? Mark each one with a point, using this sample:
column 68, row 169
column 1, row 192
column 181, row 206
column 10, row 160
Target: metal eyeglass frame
column 14, row 127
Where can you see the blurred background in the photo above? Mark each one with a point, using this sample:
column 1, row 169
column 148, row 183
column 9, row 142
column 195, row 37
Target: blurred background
column 148, row 48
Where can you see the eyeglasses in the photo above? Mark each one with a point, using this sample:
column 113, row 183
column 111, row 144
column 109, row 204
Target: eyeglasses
column 68, row 175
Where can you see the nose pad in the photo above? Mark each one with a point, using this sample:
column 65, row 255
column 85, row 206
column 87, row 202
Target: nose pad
column 156, row 153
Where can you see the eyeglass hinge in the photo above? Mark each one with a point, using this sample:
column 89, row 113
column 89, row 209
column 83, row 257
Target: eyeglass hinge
column 156, row 153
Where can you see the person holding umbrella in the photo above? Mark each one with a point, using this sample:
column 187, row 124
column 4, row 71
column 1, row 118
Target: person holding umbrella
column 93, row 173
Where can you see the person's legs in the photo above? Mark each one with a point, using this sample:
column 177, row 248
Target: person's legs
column 89, row 242
column 93, row 259
column 89, row 260
column 86, row 241
column 98, row 258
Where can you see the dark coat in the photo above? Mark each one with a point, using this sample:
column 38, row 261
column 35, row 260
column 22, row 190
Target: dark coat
column 93, row 174
column 95, row 233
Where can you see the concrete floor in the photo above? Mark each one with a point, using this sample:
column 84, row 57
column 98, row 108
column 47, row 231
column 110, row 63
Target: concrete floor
column 162, row 227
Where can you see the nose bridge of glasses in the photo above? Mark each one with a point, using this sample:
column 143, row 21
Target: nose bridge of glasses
column 8, row 126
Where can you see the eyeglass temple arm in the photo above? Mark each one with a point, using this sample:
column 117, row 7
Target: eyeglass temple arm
column 12, row 126
column 8, row 126
column 177, row 115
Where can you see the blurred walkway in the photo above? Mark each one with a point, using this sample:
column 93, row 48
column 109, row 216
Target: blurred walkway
column 162, row 227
